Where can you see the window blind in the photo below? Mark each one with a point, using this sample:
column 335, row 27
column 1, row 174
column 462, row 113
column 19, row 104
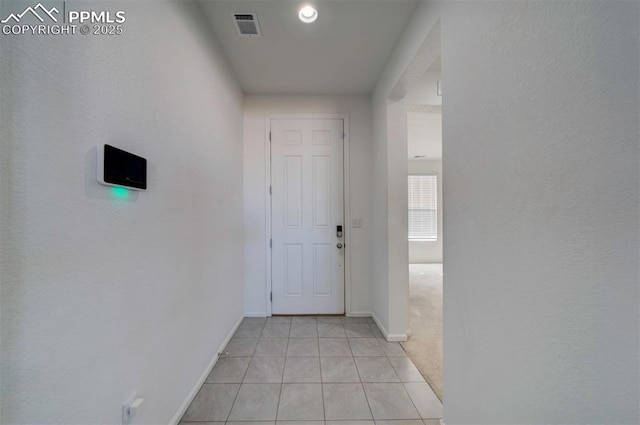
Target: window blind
column 423, row 208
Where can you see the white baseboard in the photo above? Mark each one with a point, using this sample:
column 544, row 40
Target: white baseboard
column 255, row 314
column 360, row 314
column 389, row 337
column 382, row 328
column 194, row 391
column 397, row 337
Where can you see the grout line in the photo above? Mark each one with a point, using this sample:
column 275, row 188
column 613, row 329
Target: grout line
column 324, row 411
column 278, row 403
column 284, row 369
column 362, row 386
column 282, row 380
column 242, row 380
column 412, row 402
column 286, row 350
column 367, row 398
column 234, row 399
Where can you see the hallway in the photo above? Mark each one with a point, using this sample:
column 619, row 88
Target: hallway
column 313, row 369
column 119, row 305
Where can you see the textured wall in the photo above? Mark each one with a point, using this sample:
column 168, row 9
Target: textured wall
column 380, row 281
column 541, row 150
column 358, row 109
column 104, row 296
column 424, row 91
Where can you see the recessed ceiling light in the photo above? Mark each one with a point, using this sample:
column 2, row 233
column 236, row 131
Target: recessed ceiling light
column 308, row 14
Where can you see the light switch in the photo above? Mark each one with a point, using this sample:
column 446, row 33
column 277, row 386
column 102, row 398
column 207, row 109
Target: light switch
column 356, row 223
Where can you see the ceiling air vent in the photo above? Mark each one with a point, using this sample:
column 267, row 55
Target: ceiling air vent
column 247, row 24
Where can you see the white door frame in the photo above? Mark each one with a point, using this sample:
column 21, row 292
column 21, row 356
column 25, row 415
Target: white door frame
column 346, row 194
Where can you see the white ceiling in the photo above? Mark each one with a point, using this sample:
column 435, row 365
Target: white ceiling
column 343, row 52
column 424, row 135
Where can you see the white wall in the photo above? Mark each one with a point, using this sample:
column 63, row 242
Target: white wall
column 425, row 90
column 424, row 132
column 428, row 251
column 541, row 191
column 391, row 257
column 102, row 297
column 380, row 249
column 541, row 150
column 255, row 188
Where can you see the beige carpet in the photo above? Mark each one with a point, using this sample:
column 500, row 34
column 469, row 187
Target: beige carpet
column 425, row 322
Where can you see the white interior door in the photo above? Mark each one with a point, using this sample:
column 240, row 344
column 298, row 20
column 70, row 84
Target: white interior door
column 307, row 205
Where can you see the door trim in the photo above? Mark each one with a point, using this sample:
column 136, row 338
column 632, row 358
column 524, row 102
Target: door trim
column 346, row 202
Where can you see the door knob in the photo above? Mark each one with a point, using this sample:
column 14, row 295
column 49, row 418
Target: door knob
column 339, row 245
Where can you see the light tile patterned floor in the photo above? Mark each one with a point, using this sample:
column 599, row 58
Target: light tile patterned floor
column 313, row 371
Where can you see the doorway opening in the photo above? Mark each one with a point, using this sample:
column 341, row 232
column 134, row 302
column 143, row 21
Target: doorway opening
column 423, row 104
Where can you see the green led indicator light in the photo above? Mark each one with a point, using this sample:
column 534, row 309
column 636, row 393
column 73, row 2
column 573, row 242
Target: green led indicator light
column 120, row 192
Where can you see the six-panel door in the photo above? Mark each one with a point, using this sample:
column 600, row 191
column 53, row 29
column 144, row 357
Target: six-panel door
column 306, row 206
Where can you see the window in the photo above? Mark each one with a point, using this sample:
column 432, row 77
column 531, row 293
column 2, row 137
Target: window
column 423, row 208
